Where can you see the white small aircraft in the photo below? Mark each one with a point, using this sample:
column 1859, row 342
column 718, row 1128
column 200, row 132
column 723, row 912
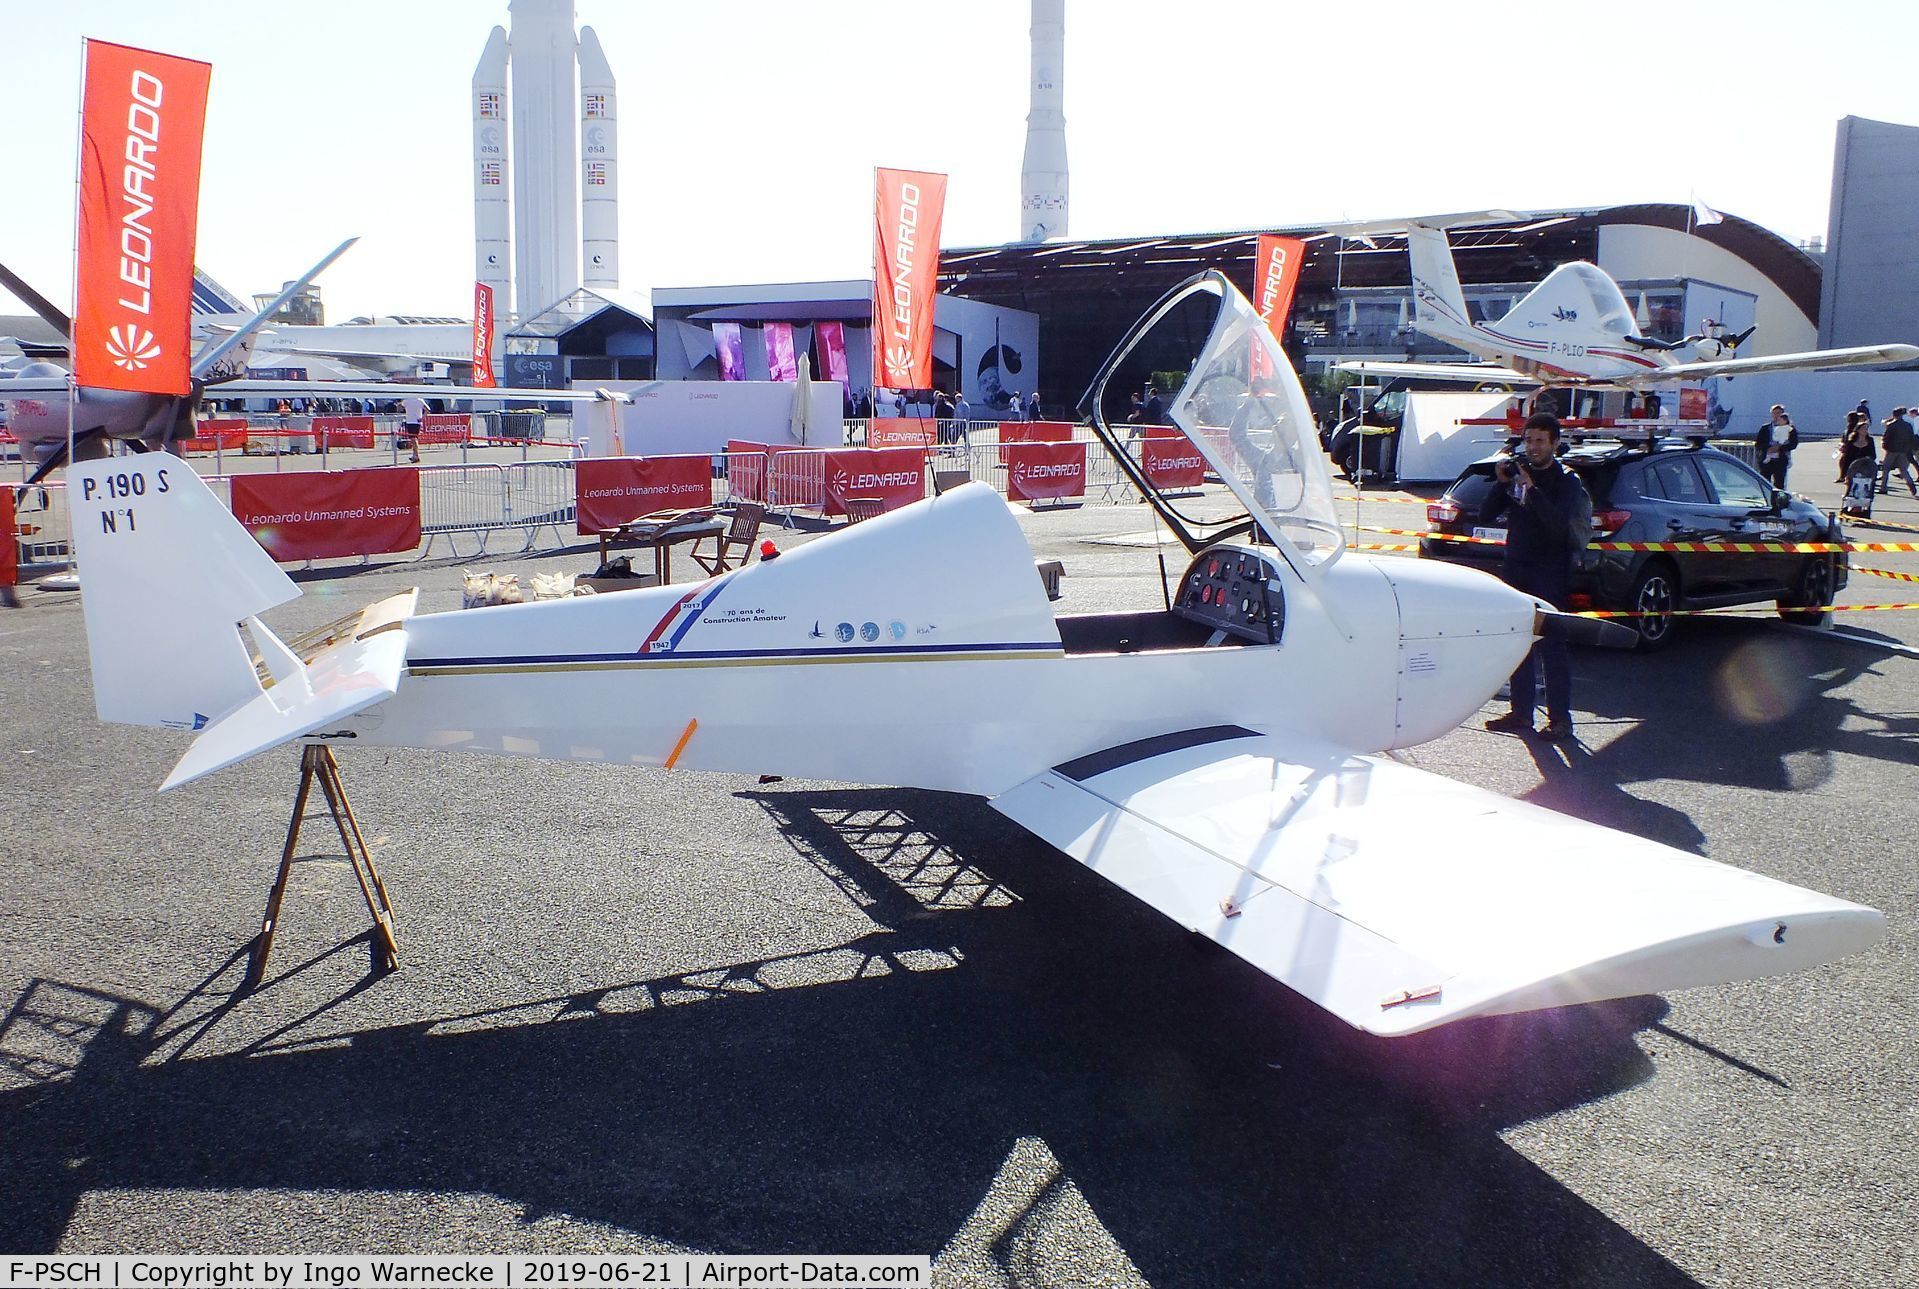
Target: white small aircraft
column 1575, row 329
column 1217, row 757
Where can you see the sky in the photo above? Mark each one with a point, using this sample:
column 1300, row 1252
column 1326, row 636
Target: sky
column 749, row 129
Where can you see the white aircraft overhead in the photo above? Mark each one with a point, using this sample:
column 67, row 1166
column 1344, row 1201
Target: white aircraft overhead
column 379, row 349
column 1575, row 329
column 1219, row 757
column 36, row 394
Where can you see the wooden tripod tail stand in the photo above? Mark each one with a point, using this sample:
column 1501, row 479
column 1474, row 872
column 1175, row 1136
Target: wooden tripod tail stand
column 317, row 764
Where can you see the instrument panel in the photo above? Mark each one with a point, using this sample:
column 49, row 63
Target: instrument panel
column 1235, row 589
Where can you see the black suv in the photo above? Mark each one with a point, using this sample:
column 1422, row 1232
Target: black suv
column 1674, row 490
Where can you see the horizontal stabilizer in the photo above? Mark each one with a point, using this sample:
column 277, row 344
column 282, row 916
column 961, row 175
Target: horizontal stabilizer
column 342, row 681
column 1399, row 900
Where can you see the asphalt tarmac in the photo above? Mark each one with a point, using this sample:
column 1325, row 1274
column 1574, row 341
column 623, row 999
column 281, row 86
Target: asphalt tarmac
column 653, row 1011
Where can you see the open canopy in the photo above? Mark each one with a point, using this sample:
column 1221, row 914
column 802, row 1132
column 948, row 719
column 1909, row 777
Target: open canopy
column 1204, row 367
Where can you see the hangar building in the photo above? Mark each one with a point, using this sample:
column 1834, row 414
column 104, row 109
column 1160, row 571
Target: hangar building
column 1355, row 300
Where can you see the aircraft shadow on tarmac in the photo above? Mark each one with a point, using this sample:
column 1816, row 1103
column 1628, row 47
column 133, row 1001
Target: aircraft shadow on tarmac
column 1221, row 1130
column 1732, row 702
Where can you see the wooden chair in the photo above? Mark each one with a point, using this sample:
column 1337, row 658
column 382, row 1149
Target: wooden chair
column 860, row 509
column 734, row 547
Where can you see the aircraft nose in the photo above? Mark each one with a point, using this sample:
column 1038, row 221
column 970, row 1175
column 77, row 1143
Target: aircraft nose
column 1441, row 601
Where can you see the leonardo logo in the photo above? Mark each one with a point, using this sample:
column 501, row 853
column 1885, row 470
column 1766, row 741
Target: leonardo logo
column 132, row 347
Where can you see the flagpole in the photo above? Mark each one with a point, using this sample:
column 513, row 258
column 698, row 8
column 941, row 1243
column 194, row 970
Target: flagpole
column 873, row 328
column 73, row 289
column 73, row 268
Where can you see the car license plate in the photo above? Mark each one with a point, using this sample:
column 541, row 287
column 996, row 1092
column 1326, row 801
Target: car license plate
column 1491, row 534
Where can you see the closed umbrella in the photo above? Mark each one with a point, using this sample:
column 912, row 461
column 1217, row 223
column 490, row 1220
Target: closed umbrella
column 803, row 400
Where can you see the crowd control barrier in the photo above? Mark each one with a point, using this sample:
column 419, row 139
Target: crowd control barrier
column 479, row 500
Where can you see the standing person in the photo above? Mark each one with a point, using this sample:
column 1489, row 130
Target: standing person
column 1855, row 445
column 1155, row 410
column 1032, row 407
column 1774, row 443
column 1536, row 499
column 412, row 416
column 1014, row 411
column 1898, row 444
column 943, row 416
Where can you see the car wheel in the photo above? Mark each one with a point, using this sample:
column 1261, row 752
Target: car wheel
column 1655, row 594
column 1807, row 606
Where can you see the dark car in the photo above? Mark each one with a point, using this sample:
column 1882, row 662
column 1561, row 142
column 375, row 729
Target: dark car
column 1674, row 490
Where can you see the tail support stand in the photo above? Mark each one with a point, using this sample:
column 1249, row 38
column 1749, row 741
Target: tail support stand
column 317, row 764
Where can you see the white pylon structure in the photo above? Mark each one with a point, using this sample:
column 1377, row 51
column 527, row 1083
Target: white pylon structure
column 1043, row 188
column 544, row 130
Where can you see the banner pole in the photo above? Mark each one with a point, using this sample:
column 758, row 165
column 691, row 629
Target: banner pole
column 873, row 327
column 73, row 262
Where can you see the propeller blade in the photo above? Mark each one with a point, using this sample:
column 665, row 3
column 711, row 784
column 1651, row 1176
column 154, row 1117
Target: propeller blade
column 1574, row 629
column 37, row 302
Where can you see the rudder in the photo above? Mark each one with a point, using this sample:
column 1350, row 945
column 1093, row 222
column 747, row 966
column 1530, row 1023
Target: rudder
column 1439, row 306
column 167, row 575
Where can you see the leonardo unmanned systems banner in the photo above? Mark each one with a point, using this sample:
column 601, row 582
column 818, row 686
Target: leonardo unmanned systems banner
column 329, row 514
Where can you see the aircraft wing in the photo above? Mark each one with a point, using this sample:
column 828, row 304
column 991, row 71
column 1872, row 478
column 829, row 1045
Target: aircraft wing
column 1399, row 900
column 32, row 386
column 1817, row 360
column 1470, row 373
column 379, row 389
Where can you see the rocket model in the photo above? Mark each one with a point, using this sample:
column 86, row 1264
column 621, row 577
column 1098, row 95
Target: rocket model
column 531, row 131
column 599, row 186
column 492, row 210
column 1042, row 207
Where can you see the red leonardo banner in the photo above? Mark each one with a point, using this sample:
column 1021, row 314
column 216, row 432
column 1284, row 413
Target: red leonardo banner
column 9, row 540
column 907, row 205
column 313, row 514
column 897, row 476
column 228, row 435
column 446, row 427
column 1032, row 432
column 1275, row 277
column 343, row 431
column 142, row 117
column 1171, row 460
column 1044, row 471
column 618, row 490
column 900, row 432
column 482, row 336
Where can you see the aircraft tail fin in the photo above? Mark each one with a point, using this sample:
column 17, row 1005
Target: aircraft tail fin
column 1439, row 306
column 211, row 300
column 167, row 576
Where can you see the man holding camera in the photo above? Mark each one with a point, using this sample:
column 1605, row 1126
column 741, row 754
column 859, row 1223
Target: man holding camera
column 1539, row 502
